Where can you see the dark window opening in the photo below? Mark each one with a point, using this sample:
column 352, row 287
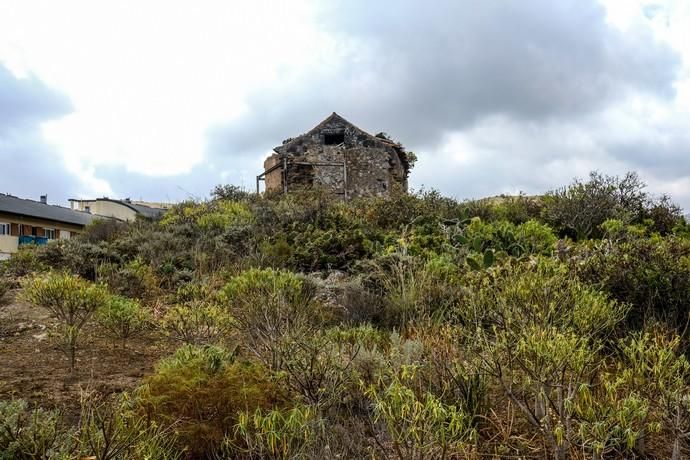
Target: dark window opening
column 334, row 138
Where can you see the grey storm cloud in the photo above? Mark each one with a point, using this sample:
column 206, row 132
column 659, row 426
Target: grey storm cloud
column 418, row 70
column 26, row 102
column 422, row 71
column 29, row 167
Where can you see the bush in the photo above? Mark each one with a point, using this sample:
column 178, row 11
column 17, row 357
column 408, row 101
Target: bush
column 202, row 390
column 270, row 306
column 579, row 209
column 102, row 230
column 134, row 279
column 652, row 274
column 33, row 434
column 197, row 322
column 411, row 288
column 276, row 434
column 537, row 332
column 123, row 318
column 656, row 367
column 24, row 262
column 420, row 427
column 111, row 429
column 230, row 193
column 71, row 300
column 212, row 216
column 527, row 238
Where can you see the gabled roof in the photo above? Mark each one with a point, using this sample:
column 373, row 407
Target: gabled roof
column 333, row 118
column 30, row 208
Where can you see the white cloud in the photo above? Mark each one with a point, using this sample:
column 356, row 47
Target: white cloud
column 148, row 78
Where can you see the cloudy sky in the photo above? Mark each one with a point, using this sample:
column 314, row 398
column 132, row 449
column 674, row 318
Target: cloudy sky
column 161, row 100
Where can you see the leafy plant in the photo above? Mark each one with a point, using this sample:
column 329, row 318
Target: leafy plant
column 538, row 332
column 268, row 307
column 71, row 300
column 33, row 433
column 109, row 429
column 123, row 318
column 580, row 208
column 276, row 434
column 420, row 427
column 197, row 322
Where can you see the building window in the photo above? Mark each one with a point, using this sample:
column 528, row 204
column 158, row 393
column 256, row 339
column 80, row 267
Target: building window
column 49, row 233
column 87, row 209
column 4, row 228
column 333, row 138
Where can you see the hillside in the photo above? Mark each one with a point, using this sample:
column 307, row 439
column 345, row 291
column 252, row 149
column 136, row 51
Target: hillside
column 410, row 327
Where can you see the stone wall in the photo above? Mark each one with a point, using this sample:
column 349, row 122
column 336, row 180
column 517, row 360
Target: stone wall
column 274, row 179
column 373, row 166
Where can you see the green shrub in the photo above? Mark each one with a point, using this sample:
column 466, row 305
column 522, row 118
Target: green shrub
column 71, row 300
column 579, row 209
column 656, row 367
column 111, row 429
column 202, row 390
column 276, row 434
column 212, row 216
column 197, row 322
column 420, row 427
column 652, row 274
column 134, row 279
column 22, row 263
column 230, row 193
column 538, row 332
column 527, row 238
column 611, row 418
column 103, row 230
column 411, row 288
column 333, row 248
column 33, row 433
column 123, row 318
column 516, row 209
column 270, row 306
column 77, row 256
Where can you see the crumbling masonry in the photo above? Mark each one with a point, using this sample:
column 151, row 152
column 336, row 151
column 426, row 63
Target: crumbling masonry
column 339, row 157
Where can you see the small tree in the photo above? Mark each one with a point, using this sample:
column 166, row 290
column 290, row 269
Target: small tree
column 71, row 300
column 123, row 318
column 270, row 307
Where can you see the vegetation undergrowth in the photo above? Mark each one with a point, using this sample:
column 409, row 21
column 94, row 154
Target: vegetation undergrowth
column 413, row 326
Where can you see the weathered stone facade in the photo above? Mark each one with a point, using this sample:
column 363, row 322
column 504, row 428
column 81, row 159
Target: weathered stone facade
column 337, row 156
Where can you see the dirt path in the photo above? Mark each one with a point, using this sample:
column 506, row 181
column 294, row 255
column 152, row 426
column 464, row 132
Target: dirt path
column 33, row 368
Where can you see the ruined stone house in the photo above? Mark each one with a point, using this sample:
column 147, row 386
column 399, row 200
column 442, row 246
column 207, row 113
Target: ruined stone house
column 337, row 156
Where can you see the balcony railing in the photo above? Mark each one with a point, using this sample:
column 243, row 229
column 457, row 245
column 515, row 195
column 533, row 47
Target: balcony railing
column 30, row 239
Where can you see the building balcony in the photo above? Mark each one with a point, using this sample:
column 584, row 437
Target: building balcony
column 30, row 239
